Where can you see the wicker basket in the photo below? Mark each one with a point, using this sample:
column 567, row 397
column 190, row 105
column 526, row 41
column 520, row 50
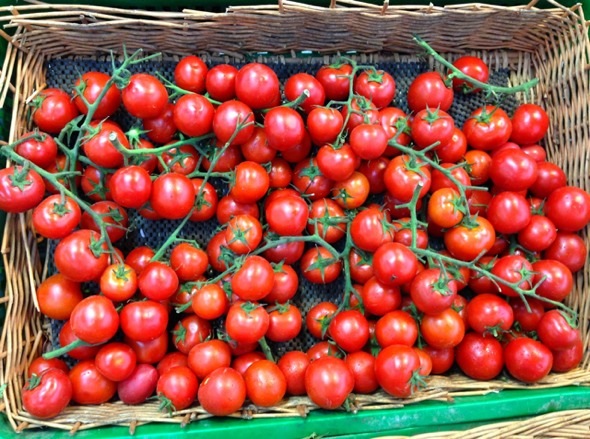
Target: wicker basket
column 551, row 44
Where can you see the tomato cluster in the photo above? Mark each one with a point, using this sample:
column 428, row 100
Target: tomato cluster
column 456, row 244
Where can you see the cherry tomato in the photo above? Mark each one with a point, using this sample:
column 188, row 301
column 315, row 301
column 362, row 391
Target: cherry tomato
column 94, row 320
column 208, row 356
column 529, row 124
column 179, row 385
column 395, row 367
column 222, row 392
column 190, row 74
column 144, row 96
column 40, row 150
column 257, row 86
column 480, row 357
column 89, row 386
column 89, row 86
column 265, row 383
column 47, row 395
column 527, row 360
column 428, row 90
column 328, row 382
column 140, row 385
column 473, row 67
column 53, row 109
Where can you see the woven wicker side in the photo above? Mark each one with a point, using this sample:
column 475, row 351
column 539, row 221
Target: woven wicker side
column 534, row 42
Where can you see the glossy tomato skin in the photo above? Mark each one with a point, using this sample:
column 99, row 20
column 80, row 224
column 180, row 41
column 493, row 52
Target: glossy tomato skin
column 336, row 81
column 530, row 123
column 193, row 115
column 170, row 360
column 309, row 261
column 139, row 386
column 328, row 382
column 157, row 281
column 527, row 360
column 114, row 217
column 298, row 83
column 443, row 330
column 508, row 212
column 396, row 328
column 67, row 336
column 513, row 170
column 90, row 85
column 265, row 383
column 210, row 302
column 565, row 360
column 467, row 243
column 94, row 319
column 431, row 126
column 394, row 264
column 337, row 163
column 480, row 357
column 538, row 234
column 362, row 366
column 222, row 392
column 294, row 364
column 151, row 351
column 221, row 82
column 173, row 196
column 474, row 67
column 569, row 249
column 42, row 152
column 40, row 365
column 556, row 332
column 145, row 96
column 287, row 216
column 350, row 330
column 50, row 396
column 208, row 356
column 246, row 322
column 378, row 299
column 284, row 128
column 377, row 86
column 401, row 180
column 116, row 361
column 131, row 186
column 189, row 332
column 257, row 86
column 53, row 110
column 557, row 279
column 285, row 323
column 58, row 296
column 190, row 74
column 429, row 90
column 569, row 199
column 370, row 229
column 395, row 366
column 487, row 128
column 20, row 197
column 251, row 182
column 513, row 269
column 161, row 128
column 89, row 386
column 179, row 385
column 144, row 321
column 228, row 116
column 549, row 178
column 254, row 279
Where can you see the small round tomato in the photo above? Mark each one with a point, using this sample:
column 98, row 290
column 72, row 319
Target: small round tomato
column 395, row 368
column 190, row 74
column 473, row 67
column 151, row 351
column 394, row 264
column 173, row 196
column 324, row 125
column 161, row 128
column 80, row 256
column 67, row 336
column 428, row 90
column 40, row 365
column 569, row 249
column 538, row 234
column 508, row 212
column 403, row 175
column 265, row 383
column 47, row 395
column 40, row 150
column 431, row 126
column 487, row 128
column 337, row 163
column 94, row 320
column 144, row 96
column 193, row 115
column 189, row 332
column 368, row 141
column 445, row 208
column 246, row 322
column 56, row 216
column 144, row 321
column 328, row 382
column 320, row 266
column 377, row 86
column 257, row 149
column 20, row 189
column 379, row 299
column 287, row 216
column 233, row 120
column 432, row 292
column 284, row 128
column 556, row 332
column 254, row 279
column 243, row 234
column 294, row 365
column 513, row 269
column 554, row 280
column 116, row 361
column 242, row 361
column 350, row 330
column 299, row 83
column 309, row 180
column 284, row 324
column 157, row 281
column 443, row 330
column 53, row 109
column 327, row 219
column 251, row 182
column 569, row 199
column 131, row 187
column 112, row 215
column 222, row 392
column 529, row 124
column 179, row 386
column 467, row 241
column 118, row 282
column 208, row 356
column 480, row 357
column 221, row 82
column 549, row 178
column 565, row 360
column 396, row 328
column 335, row 79
column 88, row 88
column 140, row 385
column 139, row 257
column 318, row 318
column 362, row 366
column 210, row 302
column 489, row 313
column 170, row 360
column 257, row 86
column 527, row 360
column 89, row 386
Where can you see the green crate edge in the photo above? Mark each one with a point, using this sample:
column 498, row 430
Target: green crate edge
column 428, row 416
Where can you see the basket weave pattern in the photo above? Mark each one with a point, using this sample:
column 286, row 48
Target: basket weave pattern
column 550, row 44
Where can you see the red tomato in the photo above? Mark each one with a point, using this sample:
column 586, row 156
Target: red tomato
column 394, row 264
column 189, row 332
column 257, row 86
column 431, row 126
column 151, row 351
column 377, row 86
column 556, row 332
column 480, row 357
column 308, row 179
column 221, row 82
column 208, row 356
column 569, row 249
column 161, row 128
column 144, row 96
column 513, row 269
column 20, row 189
column 265, row 383
column 256, row 148
column 294, row 364
column 170, row 360
column 549, row 178
column 144, row 321
column 53, row 109
column 513, row 170
column 193, row 115
column 157, row 281
column 527, row 360
column 113, row 216
column 287, row 216
column 379, row 299
column 362, row 366
column 487, row 128
column 301, row 82
column 508, row 212
column 58, row 296
column 140, row 385
column 350, row 330
column 318, row 318
column 242, row 362
column 88, row 88
column 40, row 365
column 116, row 361
column 554, row 279
column 473, row 67
column 428, row 90
column 489, row 313
column 443, row 330
column 131, row 187
column 467, row 242
column 254, row 279
column 42, row 151
column 320, row 266
column 335, row 79
column 567, row 359
column 337, row 163
column 118, row 282
column 538, row 235
column 285, row 284
column 246, row 322
column 396, row 328
column 569, row 199
column 328, row 382
column 284, row 128
column 529, row 124
column 173, row 196
column 403, row 175
column 139, row 257
column 284, row 323
column 432, row 292
column 370, row 229
column 190, row 74
column 67, row 336
column 47, row 395
column 210, row 302
column 89, row 386
column 179, row 386
column 395, row 368
column 324, row 125
column 222, row 392
column 233, row 120
column 94, row 320
column 251, row 182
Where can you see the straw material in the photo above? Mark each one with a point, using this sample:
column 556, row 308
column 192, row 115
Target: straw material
column 550, row 44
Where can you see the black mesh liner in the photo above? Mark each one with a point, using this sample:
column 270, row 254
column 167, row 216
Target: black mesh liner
column 62, row 73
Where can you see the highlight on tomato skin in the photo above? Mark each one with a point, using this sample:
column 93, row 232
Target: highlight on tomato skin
column 430, row 233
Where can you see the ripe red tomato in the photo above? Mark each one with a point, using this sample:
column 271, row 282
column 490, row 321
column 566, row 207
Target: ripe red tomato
column 230, row 116
column 140, row 385
column 243, row 361
column 151, row 351
column 222, row 392
column 467, row 242
column 42, row 152
column 40, row 365
column 565, row 360
column 513, row 170
column 443, row 330
column 538, row 234
column 569, row 199
column 83, row 249
column 139, row 257
column 444, row 208
column 173, row 196
column 131, row 186
column 487, row 128
column 257, row 149
column 337, row 163
column 210, row 302
column 394, row 264
column 362, row 366
column 58, row 296
column 370, row 229
column 431, row 126
column 513, row 269
column 284, row 324
column 318, row 317
column 157, row 281
column 114, row 217
column 67, row 336
column 432, row 292
column 403, row 175
column 89, row 386
column 144, row 321
column 170, row 360
column 53, row 109
column 556, row 332
column 20, row 189
column 287, row 216
column 193, row 115
column 144, row 96
column 395, row 368
column 160, row 129
column 328, row 382
column 221, row 82
column 378, row 299
column 47, row 395
column 377, row 86
column 300, row 82
column 265, row 383
column 257, row 85
column 208, row 356
column 179, row 386
column 368, row 142
column 284, row 128
column 254, row 279
column 246, row 322
column 189, row 332
column 320, row 266
column 190, row 74
column 294, row 364
column 489, row 314
column 529, row 124
column 549, row 178
column 94, row 320
column 251, row 182
column 554, row 279
column 473, row 67
column 527, row 360
column 89, row 86
column 285, row 284
column 335, row 79
column 480, row 357
column 569, row 249
column 324, row 125
column 350, row 330
column 428, row 90
column 188, row 261
column 508, row 212
column 243, row 234
column 396, row 328
column 116, row 361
